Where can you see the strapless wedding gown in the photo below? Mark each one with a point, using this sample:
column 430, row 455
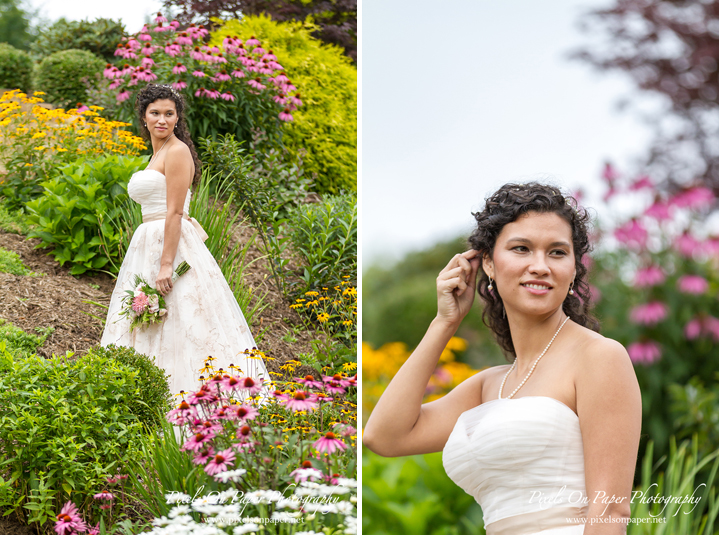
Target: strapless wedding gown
column 203, row 318
column 522, row 460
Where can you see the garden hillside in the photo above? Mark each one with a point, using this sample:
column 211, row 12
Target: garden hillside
column 654, row 287
column 90, row 439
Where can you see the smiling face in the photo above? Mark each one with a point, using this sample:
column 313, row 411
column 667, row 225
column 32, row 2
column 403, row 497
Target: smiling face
column 533, row 263
column 161, row 117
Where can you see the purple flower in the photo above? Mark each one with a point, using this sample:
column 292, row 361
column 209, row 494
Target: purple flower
column 693, row 329
column 203, row 456
column 238, row 73
column 104, row 495
column 228, row 96
column 123, row 95
column 299, row 402
column 694, row 198
column 220, row 462
column 69, row 521
column 632, row 232
column 641, row 182
column 329, row 444
column 197, row 441
column 255, row 82
column 687, row 245
column 285, row 115
column 179, row 85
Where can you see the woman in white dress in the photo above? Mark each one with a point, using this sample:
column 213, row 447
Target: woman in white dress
column 549, row 444
column 203, row 318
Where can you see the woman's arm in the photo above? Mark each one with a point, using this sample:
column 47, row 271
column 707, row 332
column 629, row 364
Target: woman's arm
column 178, row 167
column 609, row 406
column 400, row 424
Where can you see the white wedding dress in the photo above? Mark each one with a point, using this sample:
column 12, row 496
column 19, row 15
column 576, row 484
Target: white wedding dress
column 203, row 318
column 522, row 460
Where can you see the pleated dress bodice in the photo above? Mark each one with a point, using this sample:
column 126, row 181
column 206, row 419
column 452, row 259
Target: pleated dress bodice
column 522, row 459
column 149, row 188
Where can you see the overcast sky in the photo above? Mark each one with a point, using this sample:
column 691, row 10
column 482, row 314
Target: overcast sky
column 461, row 97
column 131, row 12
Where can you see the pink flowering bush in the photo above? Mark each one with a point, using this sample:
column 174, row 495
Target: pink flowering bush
column 235, row 89
column 659, row 287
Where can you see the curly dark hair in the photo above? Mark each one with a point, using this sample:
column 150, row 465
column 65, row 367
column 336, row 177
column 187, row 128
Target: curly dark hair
column 153, row 92
column 506, row 205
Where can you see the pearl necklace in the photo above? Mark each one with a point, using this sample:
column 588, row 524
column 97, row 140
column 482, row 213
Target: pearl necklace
column 530, row 369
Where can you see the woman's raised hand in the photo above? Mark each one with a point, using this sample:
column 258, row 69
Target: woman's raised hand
column 456, row 284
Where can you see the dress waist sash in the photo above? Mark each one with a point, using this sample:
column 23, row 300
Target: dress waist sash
column 528, row 523
column 157, row 216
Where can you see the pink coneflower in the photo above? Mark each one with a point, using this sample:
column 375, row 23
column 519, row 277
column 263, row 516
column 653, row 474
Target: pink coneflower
column 197, row 441
column 694, row 198
column 201, row 92
column 692, row 284
column 159, row 18
column 145, row 37
column 659, row 211
column 632, row 232
column 300, row 402
column 281, row 78
column 649, row 276
column 147, row 49
column 259, row 51
column 208, row 426
column 693, row 329
column 304, row 474
column 204, row 455
column 231, row 383
column 296, row 100
column 104, row 495
column 334, row 387
column 179, row 85
column 202, row 395
column 309, row 381
column 687, row 245
column 223, row 76
column 197, row 54
column 110, row 71
column 642, row 182
column 711, row 245
column 352, row 381
column 649, row 313
column 69, row 520
column 179, row 68
column 255, row 82
column 285, row 115
column 270, row 56
column 220, row 462
column 280, row 99
column 115, row 83
column 228, row 96
column 140, row 302
column 147, row 62
column 106, row 506
column 252, row 41
column 345, row 430
column 238, row 73
column 251, row 385
column 245, row 412
column 320, row 397
column 244, row 433
column 329, row 444
column 123, row 96
column 212, row 93
column 275, row 66
column 337, row 378
column 95, row 530
column 184, row 39
column 175, row 24
column 611, row 192
column 644, row 352
column 198, row 74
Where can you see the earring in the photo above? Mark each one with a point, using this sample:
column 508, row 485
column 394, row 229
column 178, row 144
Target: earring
column 490, row 284
column 145, row 125
column 571, row 291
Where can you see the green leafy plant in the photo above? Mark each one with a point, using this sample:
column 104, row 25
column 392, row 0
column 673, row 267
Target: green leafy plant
column 75, row 213
column 326, row 126
column 65, row 426
column 15, row 68
column 695, row 410
column 13, row 221
column 10, row 262
column 60, row 75
column 18, row 342
column 325, row 236
column 99, row 37
column 153, row 391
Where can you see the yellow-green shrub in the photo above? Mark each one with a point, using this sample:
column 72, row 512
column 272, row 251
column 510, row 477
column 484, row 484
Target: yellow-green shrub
column 326, row 124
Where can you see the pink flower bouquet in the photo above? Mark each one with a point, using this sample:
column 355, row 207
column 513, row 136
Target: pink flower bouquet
column 144, row 304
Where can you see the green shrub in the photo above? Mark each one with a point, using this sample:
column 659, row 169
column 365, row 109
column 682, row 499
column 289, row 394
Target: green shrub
column 76, row 212
column 65, row 426
column 154, row 396
column 326, row 124
column 18, row 342
column 15, row 68
column 99, row 37
column 325, row 236
column 61, row 74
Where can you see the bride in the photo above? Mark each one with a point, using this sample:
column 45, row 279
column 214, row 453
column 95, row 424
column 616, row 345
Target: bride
column 203, row 318
column 549, row 444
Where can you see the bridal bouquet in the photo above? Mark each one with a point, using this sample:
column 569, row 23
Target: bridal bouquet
column 144, row 304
